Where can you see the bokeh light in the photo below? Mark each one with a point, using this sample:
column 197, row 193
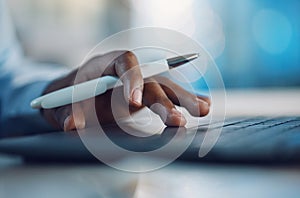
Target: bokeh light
column 272, row 31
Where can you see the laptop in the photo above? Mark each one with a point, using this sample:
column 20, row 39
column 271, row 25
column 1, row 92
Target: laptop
column 252, row 137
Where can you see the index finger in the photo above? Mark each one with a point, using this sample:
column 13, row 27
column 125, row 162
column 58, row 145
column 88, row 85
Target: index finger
column 123, row 64
column 127, row 68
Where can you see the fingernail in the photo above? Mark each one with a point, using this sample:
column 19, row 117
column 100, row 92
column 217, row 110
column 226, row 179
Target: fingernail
column 204, row 110
column 74, row 122
column 67, row 123
column 80, row 124
column 203, row 102
column 176, row 113
column 137, row 96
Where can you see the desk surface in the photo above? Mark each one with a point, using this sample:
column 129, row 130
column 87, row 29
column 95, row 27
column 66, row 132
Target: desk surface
column 18, row 179
column 175, row 180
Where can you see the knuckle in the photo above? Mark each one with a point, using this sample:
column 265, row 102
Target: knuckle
column 128, row 55
column 194, row 107
column 127, row 61
column 165, row 101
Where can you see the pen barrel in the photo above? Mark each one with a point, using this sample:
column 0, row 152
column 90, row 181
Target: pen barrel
column 75, row 93
column 154, row 68
column 92, row 88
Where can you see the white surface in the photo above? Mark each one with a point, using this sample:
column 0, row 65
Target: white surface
column 176, row 181
column 268, row 102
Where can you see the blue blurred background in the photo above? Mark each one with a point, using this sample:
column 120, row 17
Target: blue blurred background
column 262, row 43
column 255, row 43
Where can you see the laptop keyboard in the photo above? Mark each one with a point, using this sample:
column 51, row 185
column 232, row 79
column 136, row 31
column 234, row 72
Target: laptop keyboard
column 259, row 129
column 257, row 139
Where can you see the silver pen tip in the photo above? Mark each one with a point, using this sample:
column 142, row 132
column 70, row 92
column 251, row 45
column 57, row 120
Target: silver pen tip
column 180, row 60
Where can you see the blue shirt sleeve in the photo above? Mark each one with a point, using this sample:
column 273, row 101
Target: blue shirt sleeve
column 21, row 80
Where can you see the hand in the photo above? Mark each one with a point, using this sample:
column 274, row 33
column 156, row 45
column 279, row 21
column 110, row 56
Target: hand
column 137, row 92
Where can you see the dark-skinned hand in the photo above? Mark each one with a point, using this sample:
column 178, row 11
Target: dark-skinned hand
column 158, row 93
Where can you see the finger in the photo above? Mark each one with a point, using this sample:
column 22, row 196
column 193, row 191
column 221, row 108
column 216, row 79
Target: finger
column 159, row 103
column 78, row 116
column 70, row 117
column 123, row 64
column 196, row 105
column 127, row 68
column 204, row 98
column 97, row 66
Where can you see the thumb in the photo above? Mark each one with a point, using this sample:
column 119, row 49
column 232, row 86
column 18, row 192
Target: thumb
column 71, row 117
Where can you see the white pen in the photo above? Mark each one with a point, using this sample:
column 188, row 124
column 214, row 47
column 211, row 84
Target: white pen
column 95, row 87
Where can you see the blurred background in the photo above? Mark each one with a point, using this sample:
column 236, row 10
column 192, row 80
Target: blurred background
column 255, row 43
